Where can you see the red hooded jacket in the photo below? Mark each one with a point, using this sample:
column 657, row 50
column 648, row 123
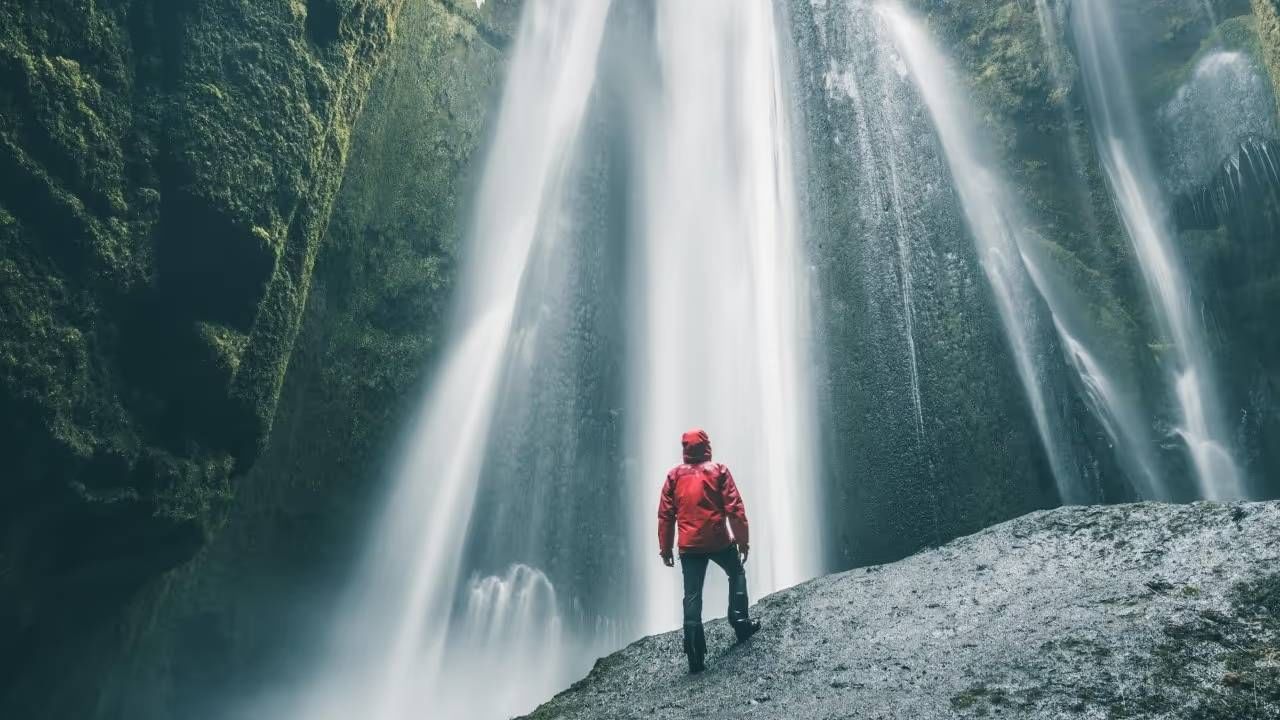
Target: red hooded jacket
column 698, row 496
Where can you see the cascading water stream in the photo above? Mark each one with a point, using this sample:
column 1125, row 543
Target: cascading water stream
column 986, row 207
column 1122, row 145
column 390, row 656
column 902, row 239
column 721, row 339
column 722, row 317
column 718, row 260
column 842, row 81
column 1050, row 26
column 1013, row 262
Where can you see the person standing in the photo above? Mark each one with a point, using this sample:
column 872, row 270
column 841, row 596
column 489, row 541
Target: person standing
column 700, row 499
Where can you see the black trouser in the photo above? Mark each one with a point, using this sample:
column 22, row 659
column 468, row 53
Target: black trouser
column 694, row 568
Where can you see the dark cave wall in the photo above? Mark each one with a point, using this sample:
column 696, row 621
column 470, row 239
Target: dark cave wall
column 235, row 619
column 169, row 172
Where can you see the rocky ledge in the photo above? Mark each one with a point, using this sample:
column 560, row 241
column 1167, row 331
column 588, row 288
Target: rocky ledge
column 1133, row 611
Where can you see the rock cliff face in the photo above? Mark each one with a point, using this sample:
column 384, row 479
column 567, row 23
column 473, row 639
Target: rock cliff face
column 1131, row 611
column 143, row 344
column 169, row 172
column 873, row 153
column 1268, row 14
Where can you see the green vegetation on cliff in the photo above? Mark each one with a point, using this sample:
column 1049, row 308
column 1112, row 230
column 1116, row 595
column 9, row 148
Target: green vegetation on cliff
column 169, row 170
column 1039, row 120
column 392, row 248
column 374, row 295
column 1268, row 15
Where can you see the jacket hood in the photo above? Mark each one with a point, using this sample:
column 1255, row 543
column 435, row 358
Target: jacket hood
column 697, row 446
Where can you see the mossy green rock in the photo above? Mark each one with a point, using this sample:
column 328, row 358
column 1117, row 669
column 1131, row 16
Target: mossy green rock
column 252, row 158
column 169, row 170
column 1268, row 15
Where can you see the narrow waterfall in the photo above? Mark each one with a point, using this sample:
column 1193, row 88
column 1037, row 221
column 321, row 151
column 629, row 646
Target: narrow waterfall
column 988, row 208
column 1024, row 282
column 901, row 231
column 391, row 659
column 1051, row 23
column 884, row 188
column 721, row 326
column 902, row 240
column 1122, row 146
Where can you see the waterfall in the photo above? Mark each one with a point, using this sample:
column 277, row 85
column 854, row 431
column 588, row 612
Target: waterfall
column 508, row 652
column 720, row 339
column 989, row 211
column 1122, row 146
column 1116, row 407
column 721, row 331
column 1025, row 283
column 390, row 658
column 1050, row 24
column 902, row 228
column 902, row 240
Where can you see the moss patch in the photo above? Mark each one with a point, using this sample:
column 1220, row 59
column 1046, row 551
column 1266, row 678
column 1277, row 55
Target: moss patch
column 1267, row 13
column 316, row 347
column 170, row 169
column 1216, row 665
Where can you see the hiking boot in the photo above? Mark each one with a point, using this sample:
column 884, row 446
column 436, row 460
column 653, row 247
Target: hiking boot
column 695, row 646
column 746, row 629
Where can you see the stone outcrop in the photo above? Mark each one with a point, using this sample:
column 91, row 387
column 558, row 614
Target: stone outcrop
column 1130, row 611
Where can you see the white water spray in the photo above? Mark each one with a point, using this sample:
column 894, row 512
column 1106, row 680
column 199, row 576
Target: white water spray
column 508, row 651
column 722, row 332
column 1122, row 145
column 1226, row 99
column 391, row 650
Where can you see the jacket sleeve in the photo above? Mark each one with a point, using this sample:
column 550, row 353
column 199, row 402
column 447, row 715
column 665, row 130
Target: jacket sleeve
column 735, row 511
column 667, row 517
